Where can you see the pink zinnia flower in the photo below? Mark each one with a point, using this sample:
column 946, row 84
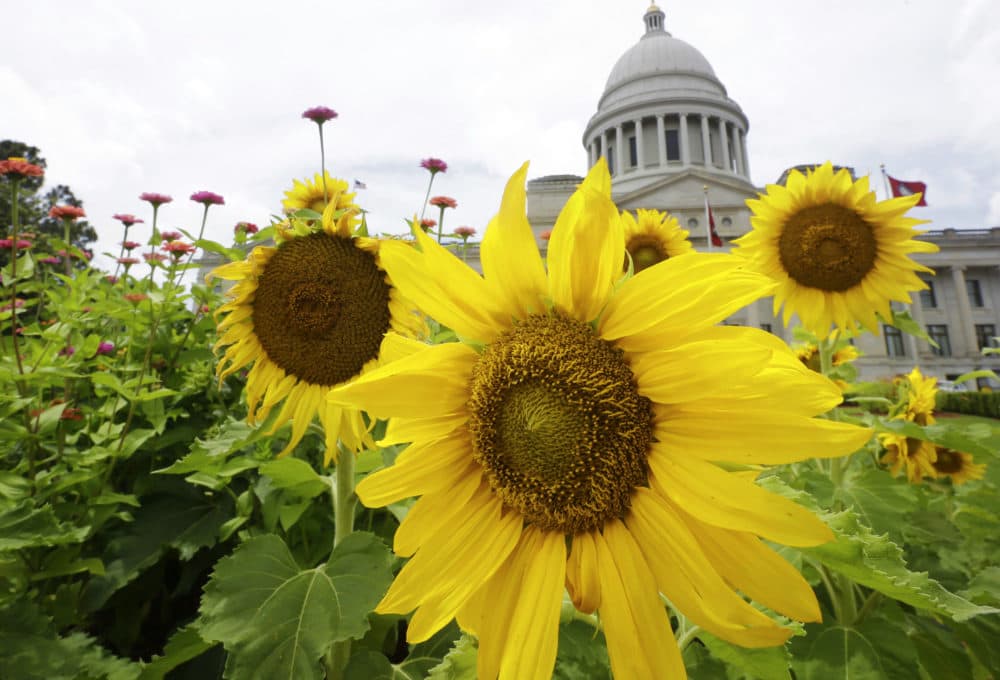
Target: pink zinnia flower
column 135, row 298
column 127, row 261
column 111, row 279
column 465, row 232
column 105, row 347
column 207, row 198
column 154, row 257
column 128, row 220
column 66, row 212
column 179, row 248
column 20, row 167
column 18, row 303
column 435, row 165
column 130, row 245
column 171, row 235
column 444, row 202
column 6, row 243
column 155, row 199
column 51, row 260
column 319, row 114
column 246, row 227
column 428, row 224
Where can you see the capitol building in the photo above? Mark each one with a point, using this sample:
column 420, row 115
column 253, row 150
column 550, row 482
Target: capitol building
column 670, row 133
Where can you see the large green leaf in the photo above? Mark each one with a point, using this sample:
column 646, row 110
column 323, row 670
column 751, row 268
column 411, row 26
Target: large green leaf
column 767, row 663
column 459, row 663
column 295, row 476
column 583, row 653
column 184, row 645
column 875, row 561
column 876, row 650
column 276, row 619
column 25, row 526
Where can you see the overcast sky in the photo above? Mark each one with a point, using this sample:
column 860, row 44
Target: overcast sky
column 174, row 97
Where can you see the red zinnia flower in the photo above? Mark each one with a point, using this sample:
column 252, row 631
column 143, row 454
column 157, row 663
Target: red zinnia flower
column 171, row 235
column 66, row 212
column 435, row 165
column 179, row 248
column 444, row 202
column 319, row 114
column 428, row 224
column 465, row 231
column 127, row 261
column 246, row 227
column 129, row 245
column 6, row 243
column 20, row 167
column 154, row 257
column 154, row 198
column 545, row 235
column 71, row 413
column 128, row 220
column 135, row 298
column 207, row 198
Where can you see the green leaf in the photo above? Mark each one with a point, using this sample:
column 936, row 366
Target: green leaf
column 904, row 322
column 582, row 653
column 25, row 526
column 881, row 501
column 767, row 663
column 941, row 653
column 879, row 651
column 231, row 254
column 277, row 619
column 459, row 663
column 183, row 646
column 875, row 561
column 296, row 476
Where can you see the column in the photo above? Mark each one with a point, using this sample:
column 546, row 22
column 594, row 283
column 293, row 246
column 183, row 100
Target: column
column 640, row 156
column 753, row 316
column 619, row 153
column 706, row 142
column 604, row 145
column 917, row 312
column 964, row 312
column 746, row 158
column 738, row 149
column 685, row 147
column 661, row 141
column 724, row 145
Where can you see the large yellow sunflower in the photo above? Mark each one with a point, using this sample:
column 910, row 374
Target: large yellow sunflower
column 309, row 194
column 572, row 439
column 958, row 465
column 652, row 237
column 838, row 255
column 310, row 313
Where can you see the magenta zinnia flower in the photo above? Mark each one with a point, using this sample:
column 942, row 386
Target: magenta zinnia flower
column 246, row 227
column 51, row 260
column 155, row 199
column 154, row 257
column 6, row 243
column 69, row 212
column 67, row 351
column 444, row 202
column 434, row 165
column 129, row 220
column 207, row 198
column 105, row 347
column 127, row 261
column 319, row 114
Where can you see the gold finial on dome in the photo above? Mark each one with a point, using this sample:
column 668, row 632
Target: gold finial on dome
column 653, row 8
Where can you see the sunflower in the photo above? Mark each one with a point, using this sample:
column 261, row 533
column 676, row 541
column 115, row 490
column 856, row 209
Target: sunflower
column 310, row 194
column 311, row 313
column 958, row 465
column 652, row 237
column 580, row 436
column 838, row 255
column 808, row 354
column 915, row 455
column 921, row 398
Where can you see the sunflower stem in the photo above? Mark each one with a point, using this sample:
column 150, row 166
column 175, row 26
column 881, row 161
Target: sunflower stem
column 685, row 639
column 343, row 497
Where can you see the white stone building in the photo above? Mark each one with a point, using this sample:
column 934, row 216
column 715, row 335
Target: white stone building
column 671, row 133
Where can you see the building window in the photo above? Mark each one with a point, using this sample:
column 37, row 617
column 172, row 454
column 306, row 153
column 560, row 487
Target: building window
column 611, row 159
column 975, row 292
column 938, row 332
column 893, row 342
column 633, row 153
column 673, row 145
column 727, row 222
column 928, row 298
column 986, row 334
column 692, row 223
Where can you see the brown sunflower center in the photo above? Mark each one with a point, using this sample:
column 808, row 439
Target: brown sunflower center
column 321, row 308
column 645, row 251
column 558, row 424
column 827, row 247
column 948, row 461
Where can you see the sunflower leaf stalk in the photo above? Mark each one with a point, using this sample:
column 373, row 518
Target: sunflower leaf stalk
column 344, row 499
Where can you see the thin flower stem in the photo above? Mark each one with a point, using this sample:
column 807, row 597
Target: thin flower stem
column 427, row 196
column 15, row 218
column 322, row 163
column 69, row 245
column 441, row 224
column 344, row 499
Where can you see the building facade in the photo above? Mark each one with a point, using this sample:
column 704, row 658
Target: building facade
column 673, row 137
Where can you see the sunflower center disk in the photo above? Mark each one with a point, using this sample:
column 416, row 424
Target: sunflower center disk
column 558, row 424
column 948, row 462
column 645, row 252
column 321, row 308
column 827, row 247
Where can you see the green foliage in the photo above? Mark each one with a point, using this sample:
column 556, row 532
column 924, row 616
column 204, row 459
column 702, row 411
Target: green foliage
column 276, row 619
column 985, row 404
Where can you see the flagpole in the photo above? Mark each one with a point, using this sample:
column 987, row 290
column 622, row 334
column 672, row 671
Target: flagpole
column 708, row 221
column 885, row 178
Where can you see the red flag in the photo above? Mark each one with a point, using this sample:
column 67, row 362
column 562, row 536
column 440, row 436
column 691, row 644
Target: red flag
column 903, row 188
column 712, row 233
